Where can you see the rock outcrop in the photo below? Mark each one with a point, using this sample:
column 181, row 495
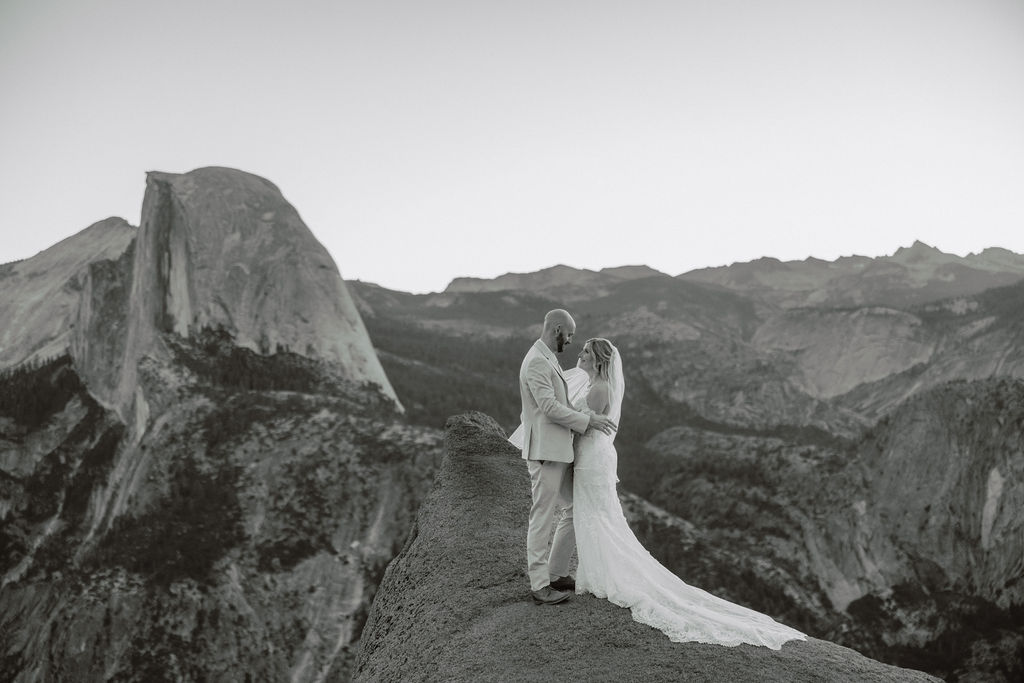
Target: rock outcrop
column 217, row 249
column 453, row 605
column 241, row 535
column 39, row 304
column 912, row 536
column 836, row 351
column 944, row 487
column 203, row 467
column 222, row 249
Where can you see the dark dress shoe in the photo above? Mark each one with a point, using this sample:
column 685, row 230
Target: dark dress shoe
column 549, row 596
column 564, row 583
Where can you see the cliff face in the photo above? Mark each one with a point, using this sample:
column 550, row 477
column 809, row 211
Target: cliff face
column 945, row 486
column 217, row 248
column 453, row 605
column 41, row 294
column 207, row 477
column 911, row 536
column 835, row 351
column 241, row 534
column 222, row 249
column 879, row 356
column 99, row 335
column 929, row 497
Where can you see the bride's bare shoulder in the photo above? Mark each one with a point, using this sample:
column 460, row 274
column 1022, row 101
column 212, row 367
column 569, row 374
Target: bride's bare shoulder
column 597, row 397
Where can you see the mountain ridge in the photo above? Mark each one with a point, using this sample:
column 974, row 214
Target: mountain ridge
column 571, row 281
column 910, row 275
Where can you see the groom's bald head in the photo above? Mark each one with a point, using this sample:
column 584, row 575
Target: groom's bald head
column 559, row 327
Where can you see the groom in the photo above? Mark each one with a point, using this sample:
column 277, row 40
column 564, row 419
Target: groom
column 548, row 424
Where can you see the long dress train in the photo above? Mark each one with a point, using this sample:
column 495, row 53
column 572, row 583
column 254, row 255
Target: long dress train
column 614, row 565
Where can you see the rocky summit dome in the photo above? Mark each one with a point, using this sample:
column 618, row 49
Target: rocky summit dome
column 223, row 248
column 218, row 249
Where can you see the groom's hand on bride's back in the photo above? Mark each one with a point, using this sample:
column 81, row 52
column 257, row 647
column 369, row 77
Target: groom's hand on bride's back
column 602, row 424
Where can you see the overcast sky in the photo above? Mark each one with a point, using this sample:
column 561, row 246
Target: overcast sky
column 423, row 141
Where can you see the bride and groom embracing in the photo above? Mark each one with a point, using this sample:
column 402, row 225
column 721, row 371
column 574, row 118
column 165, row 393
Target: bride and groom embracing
column 569, row 423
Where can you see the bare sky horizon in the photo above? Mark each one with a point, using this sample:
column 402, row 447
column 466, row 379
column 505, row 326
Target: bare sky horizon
column 427, row 141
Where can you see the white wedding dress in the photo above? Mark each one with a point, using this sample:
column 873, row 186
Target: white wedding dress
column 614, row 565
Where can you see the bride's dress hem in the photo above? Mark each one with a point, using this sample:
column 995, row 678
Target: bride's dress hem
column 773, row 644
column 614, row 565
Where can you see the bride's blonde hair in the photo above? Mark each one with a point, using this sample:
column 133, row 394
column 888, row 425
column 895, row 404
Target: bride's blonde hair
column 602, row 350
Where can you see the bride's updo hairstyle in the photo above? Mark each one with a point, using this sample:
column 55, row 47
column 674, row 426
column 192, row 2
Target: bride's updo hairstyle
column 602, row 350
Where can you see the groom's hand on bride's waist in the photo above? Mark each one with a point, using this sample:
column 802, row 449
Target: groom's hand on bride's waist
column 602, row 424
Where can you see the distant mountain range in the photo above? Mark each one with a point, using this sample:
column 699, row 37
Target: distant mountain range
column 747, row 355
column 911, row 275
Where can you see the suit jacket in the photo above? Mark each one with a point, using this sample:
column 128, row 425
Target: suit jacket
column 548, row 419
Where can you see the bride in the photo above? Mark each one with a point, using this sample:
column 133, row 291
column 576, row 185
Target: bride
column 612, row 562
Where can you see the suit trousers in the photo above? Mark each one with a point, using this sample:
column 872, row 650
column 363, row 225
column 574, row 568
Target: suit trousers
column 551, row 486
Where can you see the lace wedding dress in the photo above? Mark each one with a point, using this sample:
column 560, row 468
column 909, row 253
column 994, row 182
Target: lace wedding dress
column 615, row 566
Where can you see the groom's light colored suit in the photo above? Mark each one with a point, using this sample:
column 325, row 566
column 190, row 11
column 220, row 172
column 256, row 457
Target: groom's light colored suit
column 548, row 424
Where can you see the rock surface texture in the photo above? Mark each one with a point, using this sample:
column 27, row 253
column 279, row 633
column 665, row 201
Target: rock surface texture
column 944, row 492
column 241, row 537
column 454, row 605
column 222, row 249
column 39, row 304
column 203, row 467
